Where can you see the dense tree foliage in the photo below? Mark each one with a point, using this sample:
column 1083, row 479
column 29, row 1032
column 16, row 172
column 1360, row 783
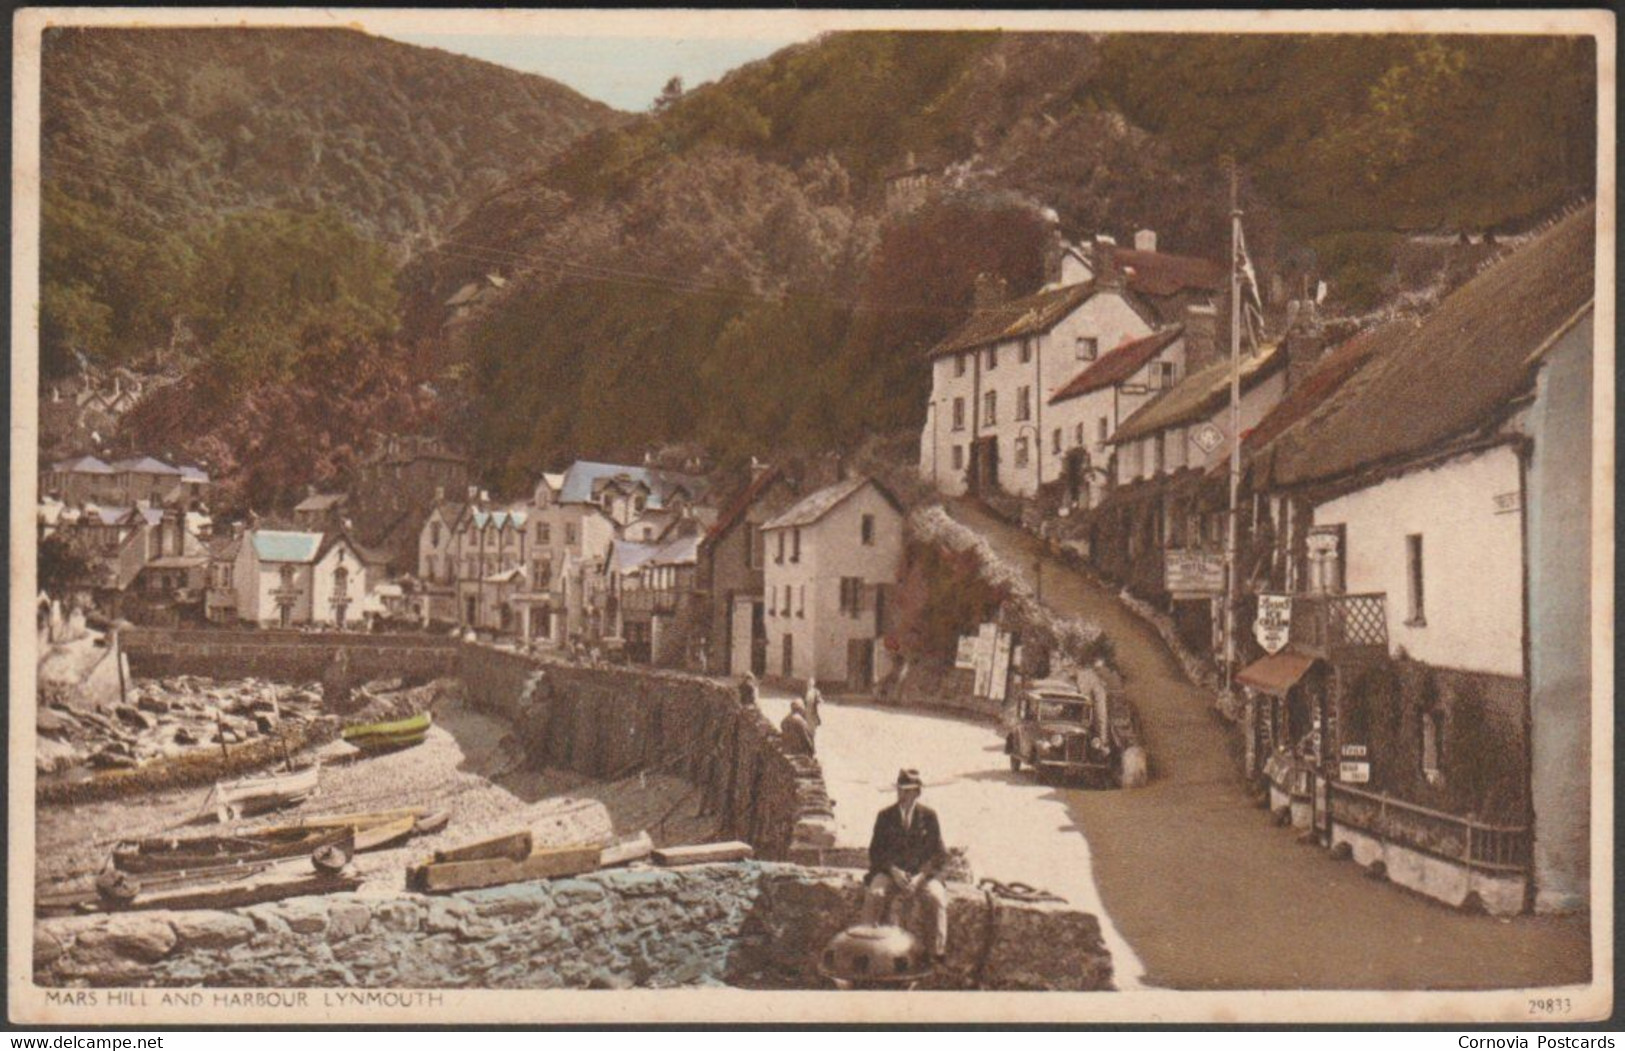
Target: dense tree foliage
column 266, row 439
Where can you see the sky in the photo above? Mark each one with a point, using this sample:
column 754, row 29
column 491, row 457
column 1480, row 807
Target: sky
column 626, row 72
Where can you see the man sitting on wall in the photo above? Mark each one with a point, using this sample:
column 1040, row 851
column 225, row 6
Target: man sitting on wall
column 905, row 856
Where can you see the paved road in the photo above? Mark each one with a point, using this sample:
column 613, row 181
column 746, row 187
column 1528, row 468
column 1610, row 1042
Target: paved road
column 1209, row 893
column 1013, row 830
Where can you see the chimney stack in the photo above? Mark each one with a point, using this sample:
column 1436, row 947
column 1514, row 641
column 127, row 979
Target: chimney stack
column 757, row 468
column 1145, row 241
column 1305, row 341
column 1201, row 336
column 1107, row 273
column 473, row 493
column 991, row 291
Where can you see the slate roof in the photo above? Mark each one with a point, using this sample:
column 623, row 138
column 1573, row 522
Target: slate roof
column 279, row 546
column 1026, row 316
column 740, row 504
column 1326, row 379
column 681, row 551
column 1199, row 394
column 106, row 515
column 322, row 502
column 500, row 518
column 83, row 465
column 1456, row 371
column 816, row 505
column 145, row 465
column 627, row 555
column 580, row 482
column 1164, row 274
column 1118, row 364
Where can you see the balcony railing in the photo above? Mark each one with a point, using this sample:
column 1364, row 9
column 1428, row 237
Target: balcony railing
column 1341, row 625
column 1490, row 848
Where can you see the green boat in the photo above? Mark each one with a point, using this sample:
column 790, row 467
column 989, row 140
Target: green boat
column 386, row 737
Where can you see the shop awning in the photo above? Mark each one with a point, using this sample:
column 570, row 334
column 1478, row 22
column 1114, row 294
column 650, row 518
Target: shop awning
column 1276, row 674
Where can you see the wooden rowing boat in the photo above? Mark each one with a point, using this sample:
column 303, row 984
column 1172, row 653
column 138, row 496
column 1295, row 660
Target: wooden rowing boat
column 398, row 733
column 256, row 795
column 201, row 852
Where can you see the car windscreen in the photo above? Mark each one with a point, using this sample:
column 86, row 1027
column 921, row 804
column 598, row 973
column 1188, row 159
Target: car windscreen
column 1061, row 711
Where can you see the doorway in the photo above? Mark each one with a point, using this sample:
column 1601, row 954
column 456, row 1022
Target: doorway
column 788, row 668
column 860, row 663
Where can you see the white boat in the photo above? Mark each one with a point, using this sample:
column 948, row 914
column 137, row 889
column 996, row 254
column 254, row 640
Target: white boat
column 256, row 795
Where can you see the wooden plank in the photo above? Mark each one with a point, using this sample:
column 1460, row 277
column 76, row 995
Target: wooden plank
column 237, row 895
column 633, row 848
column 356, row 821
column 702, row 853
column 516, row 847
column 493, row 872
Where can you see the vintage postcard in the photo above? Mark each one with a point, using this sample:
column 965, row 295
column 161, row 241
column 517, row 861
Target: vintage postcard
column 779, row 516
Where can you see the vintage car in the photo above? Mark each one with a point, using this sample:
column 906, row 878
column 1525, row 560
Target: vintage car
column 1075, row 731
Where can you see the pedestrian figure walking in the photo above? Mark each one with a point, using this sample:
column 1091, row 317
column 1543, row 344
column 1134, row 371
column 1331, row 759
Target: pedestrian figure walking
column 812, row 698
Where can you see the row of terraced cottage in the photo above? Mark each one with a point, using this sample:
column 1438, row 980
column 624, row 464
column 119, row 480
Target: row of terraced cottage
column 1410, row 662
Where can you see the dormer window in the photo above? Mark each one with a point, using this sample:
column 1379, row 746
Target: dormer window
column 992, row 358
column 1088, row 348
column 959, row 365
column 1026, row 351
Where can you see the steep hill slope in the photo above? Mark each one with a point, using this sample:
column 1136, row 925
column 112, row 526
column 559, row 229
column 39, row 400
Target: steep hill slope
column 734, row 241
column 177, row 123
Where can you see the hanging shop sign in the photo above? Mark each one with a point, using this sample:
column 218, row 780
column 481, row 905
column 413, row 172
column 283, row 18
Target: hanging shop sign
column 1273, row 625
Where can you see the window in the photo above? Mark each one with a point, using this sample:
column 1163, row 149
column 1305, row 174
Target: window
column 569, row 532
column 1024, row 403
column 1026, row 351
column 851, row 595
column 1413, row 577
column 1088, row 348
column 801, row 601
column 753, row 547
column 287, row 576
column 1021, row 451
column 541, row 573
column 1431, row 768
column 992, row 358
column 544, row 533
column 1100, row 432
column 1159, row 452
column 1162, row 375
column 778, row 557
column 959, row 457
column 434, row 534
column 787, row 605
column 1055, row 442
column 1079, row 433
column 341, row 581
column 959, row 414
column 795, row 545
column 866, row 530
column 959, row 364
column 990, row 408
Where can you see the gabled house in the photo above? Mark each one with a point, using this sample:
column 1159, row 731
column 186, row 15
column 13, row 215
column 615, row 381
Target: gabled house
column 1432, row 708
column 994, row 421
column 273, row 576
column 730, row 575
column 438, row 561
column 832, row 561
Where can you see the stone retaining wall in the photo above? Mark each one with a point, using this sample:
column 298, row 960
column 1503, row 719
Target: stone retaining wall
column 284, row 656
column 749, row 925
column 613, row 722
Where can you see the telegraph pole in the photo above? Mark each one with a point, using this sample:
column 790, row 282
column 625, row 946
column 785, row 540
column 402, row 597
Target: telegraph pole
column 1230, row 581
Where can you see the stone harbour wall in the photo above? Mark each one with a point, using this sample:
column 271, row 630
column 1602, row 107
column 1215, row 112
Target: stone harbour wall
column 613, row 722
column 284, row 656
column 747, row 924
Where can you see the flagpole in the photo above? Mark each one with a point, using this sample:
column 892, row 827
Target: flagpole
column 1230, row 581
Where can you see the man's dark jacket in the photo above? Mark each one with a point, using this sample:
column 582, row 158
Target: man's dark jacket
column 913, row 850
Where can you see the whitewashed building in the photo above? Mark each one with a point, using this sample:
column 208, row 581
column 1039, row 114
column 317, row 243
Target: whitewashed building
column 831, row 562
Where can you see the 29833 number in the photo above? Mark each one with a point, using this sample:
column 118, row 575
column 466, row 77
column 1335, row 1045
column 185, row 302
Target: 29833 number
column 1551, row 1005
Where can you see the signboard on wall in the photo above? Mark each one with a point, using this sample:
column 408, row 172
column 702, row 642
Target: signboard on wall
column 1207, row 437
column 1273, row 625
column 1193, row 573
column 1001, row 667
column 1353, row 773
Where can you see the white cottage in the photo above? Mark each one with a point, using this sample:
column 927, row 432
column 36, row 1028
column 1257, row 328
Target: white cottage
column 831, row 562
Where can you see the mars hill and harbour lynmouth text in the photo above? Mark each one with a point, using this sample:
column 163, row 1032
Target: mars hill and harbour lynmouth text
column 810, row 513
